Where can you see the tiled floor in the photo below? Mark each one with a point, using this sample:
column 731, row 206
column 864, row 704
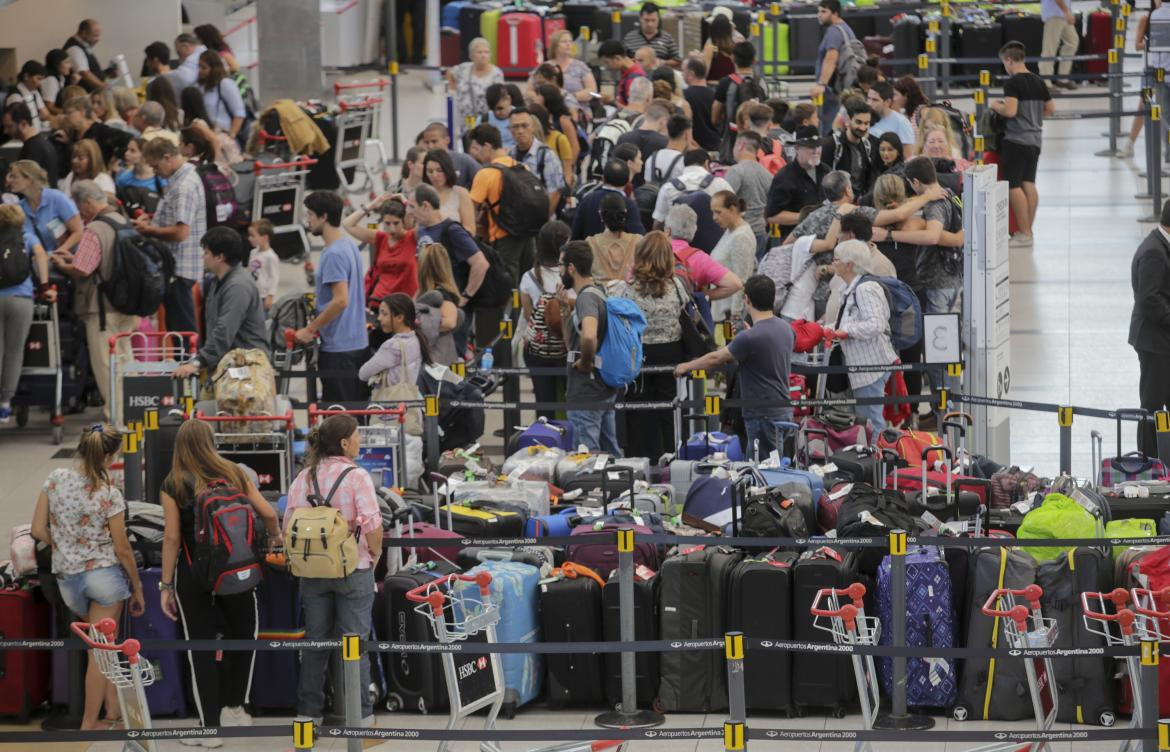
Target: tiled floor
column 1071, row 303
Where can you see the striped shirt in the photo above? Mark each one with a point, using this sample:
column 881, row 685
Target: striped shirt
column 183, row 203
column 665, row 48
column 865, row 318
column 355, row 498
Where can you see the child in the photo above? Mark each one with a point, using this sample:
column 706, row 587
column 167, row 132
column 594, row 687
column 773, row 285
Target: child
column 263, row 261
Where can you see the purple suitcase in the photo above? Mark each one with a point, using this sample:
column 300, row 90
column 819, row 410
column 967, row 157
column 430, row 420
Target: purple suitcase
column 602, row 557
column 167, row 696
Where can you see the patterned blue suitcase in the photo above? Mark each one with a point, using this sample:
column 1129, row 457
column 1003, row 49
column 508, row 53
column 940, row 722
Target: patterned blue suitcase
column 930, row 622
column 514, row 590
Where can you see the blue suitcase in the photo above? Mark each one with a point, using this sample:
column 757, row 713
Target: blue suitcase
column 560, row 522
column 557, row 434
column 930, row 622
column 276, row 672
column 705, row 443
column 449, row 19
column 514, row 590
column 786, row 474
column 167, row 696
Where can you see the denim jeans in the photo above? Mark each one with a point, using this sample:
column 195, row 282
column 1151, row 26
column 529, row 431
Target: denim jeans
column 333, row 607
column 763, row 430
column 873, row 413
column 596, row 429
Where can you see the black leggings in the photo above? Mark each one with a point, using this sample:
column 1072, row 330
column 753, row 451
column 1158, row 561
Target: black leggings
column 546, row 388
column 652, row 431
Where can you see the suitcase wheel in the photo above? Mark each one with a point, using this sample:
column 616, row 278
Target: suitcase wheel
column 1107, row 718
column 21, row 414
column 839, row 712
column 961, row 713
column 508, row 711
column 394, row 703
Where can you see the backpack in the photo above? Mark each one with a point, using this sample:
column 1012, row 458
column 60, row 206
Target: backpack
column 683, row 272
column 320, row 544
column 219, row 195
column 292, row 311
column 602, row 141
column 225, row 558
column 545, row 339
column 772, row 155
column 960, row 126
column 142, row 271
column 620, row 349
column 849, row 61
column 15, row 263
column 458, row 426
column 707, row 233
column 839, row 150
column 496, row 287
column 244, row 383
column 905, row 311
column 136, row 199
column 952, row 258
column 741, row 89
column 646, row 195
column 523, row 206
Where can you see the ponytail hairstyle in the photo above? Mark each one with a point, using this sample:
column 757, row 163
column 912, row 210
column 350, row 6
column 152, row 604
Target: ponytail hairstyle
column 729, row 200
column 325, row 440
column 400, row 304
column 549, row 241
column 98, row 444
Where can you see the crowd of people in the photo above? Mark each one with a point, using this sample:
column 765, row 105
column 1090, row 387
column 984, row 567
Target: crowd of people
column 667, row 178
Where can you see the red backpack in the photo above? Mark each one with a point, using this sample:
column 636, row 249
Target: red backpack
column 225, row 558
column 771, row 156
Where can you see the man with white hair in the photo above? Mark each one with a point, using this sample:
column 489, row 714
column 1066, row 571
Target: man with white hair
column 863, row 328
column 641, row 92
column 150, row 122
column 91, row 261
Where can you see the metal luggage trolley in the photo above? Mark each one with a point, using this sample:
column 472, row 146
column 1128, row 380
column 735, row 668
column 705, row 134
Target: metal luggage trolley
column 459, row 608
column 849, row 625
column 277, row 197
column 141, row 380
column 358, row 124
column 130, row 674
column 295, row 354
column 1099, row 621
column 262, row 442
column 43, row 358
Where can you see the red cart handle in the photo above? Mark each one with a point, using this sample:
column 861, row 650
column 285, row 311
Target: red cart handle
column 109, row 628
column 359, row 104
column 436, row 597
column 379, row 83
column 315, row 413
column 191, row 337
column 266, row 136
column 302, row 162
column 1160, row 596
column 1124, row 617
column 287, row 418
column 1019, row 613
column 855, row 593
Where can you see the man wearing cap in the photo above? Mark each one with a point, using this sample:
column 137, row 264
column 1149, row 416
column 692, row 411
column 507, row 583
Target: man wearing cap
column 799, row 184
column 648, row 33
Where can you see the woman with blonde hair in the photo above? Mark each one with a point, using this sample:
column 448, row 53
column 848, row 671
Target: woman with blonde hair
column 437, row 288
column 80, row 514
column 935, row 141
column 16, row 306
column 87, row 164
column 220, row 687
column 55, row 220
column 470, row 80
column 661, row 296
column 579, row 81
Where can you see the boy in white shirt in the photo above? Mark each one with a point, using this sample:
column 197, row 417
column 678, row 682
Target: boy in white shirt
column 263, row 261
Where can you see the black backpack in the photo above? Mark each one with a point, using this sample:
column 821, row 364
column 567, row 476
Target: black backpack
column 523, row 206
column 460, row 426
column 142, row 271
column 874, row 512
column 496, row 287
column 219, row 195
column 15, row 264
column 708, row 233
column 740, row 89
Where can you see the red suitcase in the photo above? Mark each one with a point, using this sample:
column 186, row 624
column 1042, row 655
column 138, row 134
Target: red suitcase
column 450, row 48
column 522, row 39
column 24, row 674
column 1098, row 41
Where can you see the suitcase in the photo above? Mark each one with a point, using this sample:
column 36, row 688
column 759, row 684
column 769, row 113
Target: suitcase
column 977, row 40
column 1026, row 29
column 559, row 523
column 775, row 476
column 449, row 16
column 760, row 605
column 702, row 445
column 167, row 695
column 415, row 680
column 993, row 568
column 804, row 36
column 682, row 473
column 877, row 46
column 158, row 451
column 818, row 680
column 514, row 589
column 1084, row 684
column 584, row 471
column 533, row 462
column 430, row 530
column 555, row 434
column 776, row 51
column 860, row 463
column 1098, row 39
column 489, row 28
column 570, row 611
column 469, row 26
column 582, row 14
column 708, row 505
column 930, row 622
column 24, row 674
column 695, row 586
column 533, row 556
column 527, row 497
column 450, row 48
column 523, row 38
column 278, row 603
column 484, row 520
column 907, row 36
column 602, row 557
column 646, row 665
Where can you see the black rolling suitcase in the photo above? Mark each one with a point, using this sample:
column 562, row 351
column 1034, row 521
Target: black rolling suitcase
column 907, row 35
column 469, row 27
column 570, row 611
column 820, row 681
column 977, row 40
column 646, row 665
column 760, row 601
column 1008, row 699
column 158, row 450
column 1026, row 29
column 804, row 36
column 414, row 680
column 585, row 14
column 695, row 584
column 1085, row 684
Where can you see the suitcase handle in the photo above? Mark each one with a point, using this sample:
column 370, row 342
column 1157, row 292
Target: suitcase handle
column 848, row 612
column 1096, row 454
column 1120, row 597
column 950, row 458
column 1018, row 613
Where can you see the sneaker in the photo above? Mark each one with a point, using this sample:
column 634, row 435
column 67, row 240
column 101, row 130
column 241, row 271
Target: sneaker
column 205, row 743
column 236, row 716
column 5, row 413
column 1020, row 240
column 1125, row 147
column 367, row 722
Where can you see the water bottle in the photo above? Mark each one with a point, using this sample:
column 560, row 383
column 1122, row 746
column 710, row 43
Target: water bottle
column 485, row 363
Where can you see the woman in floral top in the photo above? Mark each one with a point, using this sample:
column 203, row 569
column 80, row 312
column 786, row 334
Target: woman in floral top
column 470, row 80
column 80, row 515
column 661, row 296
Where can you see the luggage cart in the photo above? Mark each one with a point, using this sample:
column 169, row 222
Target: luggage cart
column 265, row 445
column 277, row 197
column 383, row 438
column 42, row 357
column 294, row 354
column 143, row 380
column 459, row 609
column 381, row 87
column 849, row 625
column 1099, row 621
column 130, row 675
column 356, row 130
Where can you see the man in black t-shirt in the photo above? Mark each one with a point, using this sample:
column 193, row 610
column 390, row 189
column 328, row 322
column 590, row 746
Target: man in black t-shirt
column 852, row 149
column 18, row 124
column 700, row 97
column 650, row 136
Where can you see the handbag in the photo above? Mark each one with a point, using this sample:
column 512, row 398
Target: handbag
column 404, row 391
column 696, row 338
column 837, row 382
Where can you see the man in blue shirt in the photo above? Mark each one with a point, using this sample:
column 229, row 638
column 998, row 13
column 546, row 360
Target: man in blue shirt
column 341, row 321
column 587, row 219
column 833, row 45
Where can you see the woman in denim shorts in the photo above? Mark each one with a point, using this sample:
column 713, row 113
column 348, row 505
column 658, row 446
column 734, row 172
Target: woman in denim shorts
column 80, row 514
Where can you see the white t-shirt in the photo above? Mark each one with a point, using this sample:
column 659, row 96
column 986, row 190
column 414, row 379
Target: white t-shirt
column 529, row 286
column 893, row 122
column 103, row 179
column 265, row 268
column 799, row 304
column 666, row 162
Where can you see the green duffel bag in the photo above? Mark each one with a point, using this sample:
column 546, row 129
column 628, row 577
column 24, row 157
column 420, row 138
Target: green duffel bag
column 1057, row 517
column 1132, row 528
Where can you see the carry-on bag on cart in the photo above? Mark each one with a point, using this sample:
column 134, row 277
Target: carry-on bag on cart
column 584, row 471
column 555, row 434
column 760, row 606
column 415, row 680
column 820, row 680
column 1132, row 466
column 571, row 611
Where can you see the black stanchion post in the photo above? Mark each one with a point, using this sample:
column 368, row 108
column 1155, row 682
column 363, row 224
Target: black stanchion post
column 431, row 431
column 132, row 460
column 1152, row 167
column 1064, row 418
column 512, row 418
column 980, row 97
column 1154, row 158
column 1115, row 67
column 392, row 68
column 628, row 715
column 945, row 45
column 756, row 30
column 680, row 395
column 351, row 661
column 931, row 54
column 615, row 20
column 1149, row 696
column 734, row 732
column 899, row 718
column 1162, row 431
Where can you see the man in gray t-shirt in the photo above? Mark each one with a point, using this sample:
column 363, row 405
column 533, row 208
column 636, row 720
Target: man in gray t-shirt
column 751, row 181
column 585, row 331
column 764, row 356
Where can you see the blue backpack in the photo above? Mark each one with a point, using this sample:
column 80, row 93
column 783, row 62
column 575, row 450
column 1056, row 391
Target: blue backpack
column 905, row 311
column 621, row 347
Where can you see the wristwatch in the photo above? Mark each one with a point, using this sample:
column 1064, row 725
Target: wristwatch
column 165, row 586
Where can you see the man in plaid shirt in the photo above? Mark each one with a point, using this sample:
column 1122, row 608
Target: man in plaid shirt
column 180, row 221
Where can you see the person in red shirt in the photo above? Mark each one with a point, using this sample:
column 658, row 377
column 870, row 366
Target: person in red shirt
column 395, row 267
column 614, row 56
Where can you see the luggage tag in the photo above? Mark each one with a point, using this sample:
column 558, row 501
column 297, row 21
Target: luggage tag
column 841, row 492
column 238, row 372
column 644, row 573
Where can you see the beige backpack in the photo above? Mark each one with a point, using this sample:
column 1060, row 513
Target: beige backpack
column 244, row 384
column 319, row 542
